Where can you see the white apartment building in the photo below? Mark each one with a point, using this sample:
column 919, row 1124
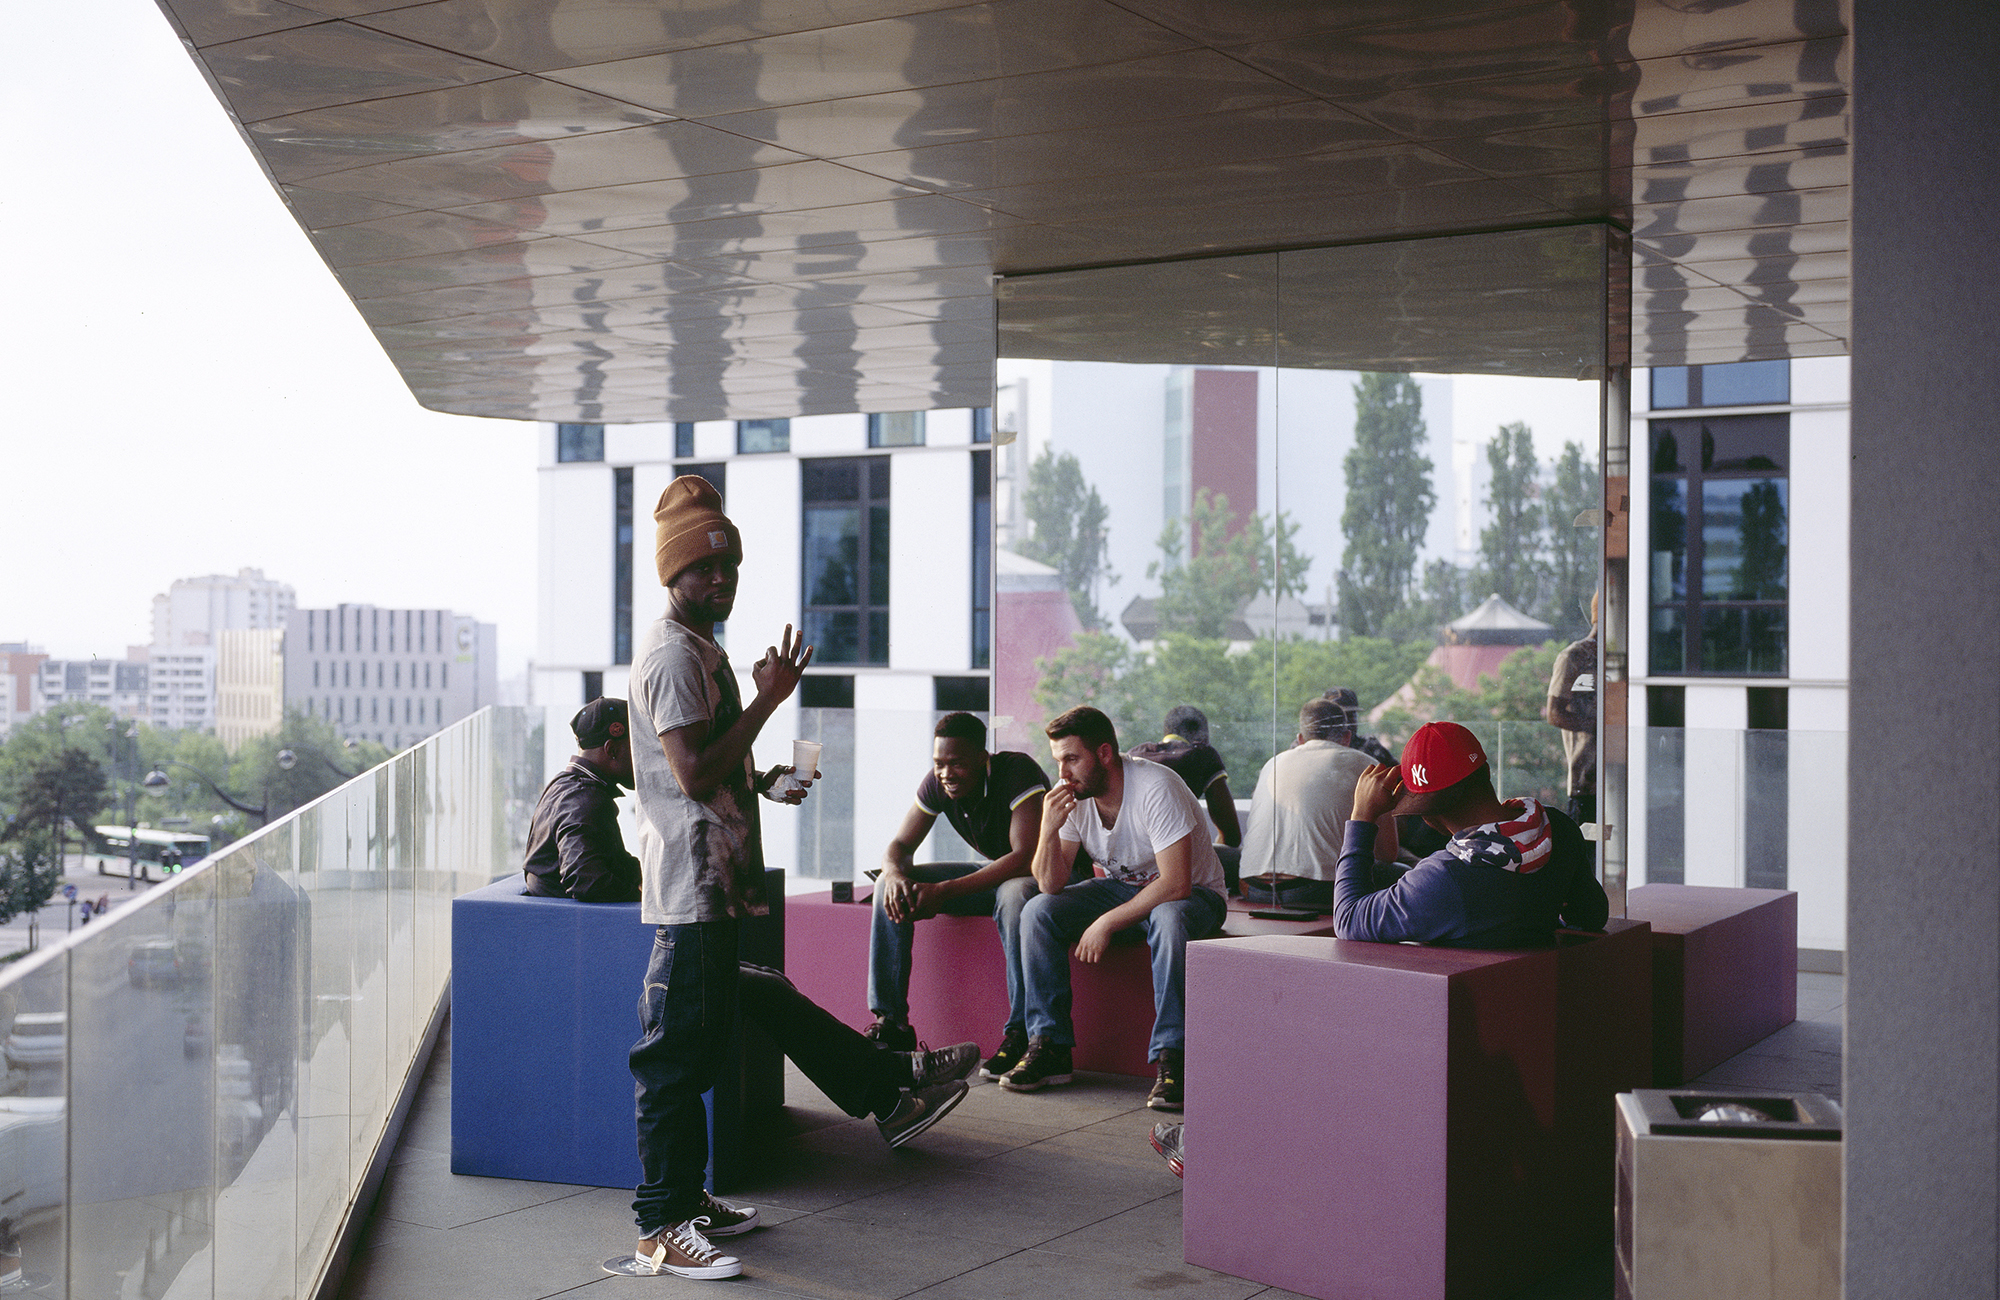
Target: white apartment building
column 181, row 687
column 872, row 533
column 120, row 685
column 249, row 683
column 193, row 610
column 393, row 676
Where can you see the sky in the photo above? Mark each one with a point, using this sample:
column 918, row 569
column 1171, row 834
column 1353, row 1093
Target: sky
column 187, row 390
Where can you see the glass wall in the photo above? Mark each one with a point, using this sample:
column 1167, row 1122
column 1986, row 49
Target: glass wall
column 195, row 1085
column 1242, row 483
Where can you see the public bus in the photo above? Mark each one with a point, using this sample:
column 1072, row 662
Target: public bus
column 160, row 853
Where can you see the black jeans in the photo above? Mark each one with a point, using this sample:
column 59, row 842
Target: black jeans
column 694, row 987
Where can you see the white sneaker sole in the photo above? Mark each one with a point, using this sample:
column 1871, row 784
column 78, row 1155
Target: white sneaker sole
column 633, row 1266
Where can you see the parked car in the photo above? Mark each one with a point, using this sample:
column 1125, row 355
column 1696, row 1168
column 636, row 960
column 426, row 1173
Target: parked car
column 153, row 964
column 37, row 1039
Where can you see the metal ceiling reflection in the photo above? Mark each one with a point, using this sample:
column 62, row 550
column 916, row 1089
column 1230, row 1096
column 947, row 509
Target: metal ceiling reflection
column 621, row 210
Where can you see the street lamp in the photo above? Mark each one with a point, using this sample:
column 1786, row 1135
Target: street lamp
column 157, row 783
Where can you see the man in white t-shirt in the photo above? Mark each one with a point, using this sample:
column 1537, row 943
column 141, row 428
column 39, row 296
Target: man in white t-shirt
column 1155, row 868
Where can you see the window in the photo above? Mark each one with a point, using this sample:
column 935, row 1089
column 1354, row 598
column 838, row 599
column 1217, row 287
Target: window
column 593, row 687
column 826, row 691
column 754, row 436
column 846, row 558
column 684, row 438
column 960, row 694
column 621, row 567
column 896, row 429
column 717, row 474
column 1719, row 545
column 982, row 559
column 1742, row 383
column 579, row 442
column 982, row 424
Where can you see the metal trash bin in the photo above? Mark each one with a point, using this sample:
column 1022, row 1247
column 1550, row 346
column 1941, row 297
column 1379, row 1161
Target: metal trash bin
column 1742, row 1202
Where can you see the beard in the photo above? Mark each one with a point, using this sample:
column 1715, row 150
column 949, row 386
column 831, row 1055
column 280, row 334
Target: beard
column 1092, row 781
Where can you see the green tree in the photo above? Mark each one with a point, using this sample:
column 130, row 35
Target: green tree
column 54, row 791
column 1573, row 488
column 1389, row 501
column 1446, row 594
column 30, row 873
column 1070, row 530
column 1209, row 572
column 1511, row 548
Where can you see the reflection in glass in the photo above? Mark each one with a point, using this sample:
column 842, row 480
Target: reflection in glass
column 1743, row 539
column 1669, row 532
column 846, row 558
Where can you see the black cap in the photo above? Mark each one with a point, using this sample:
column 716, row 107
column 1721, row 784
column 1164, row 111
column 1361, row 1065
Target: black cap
column 599, row 721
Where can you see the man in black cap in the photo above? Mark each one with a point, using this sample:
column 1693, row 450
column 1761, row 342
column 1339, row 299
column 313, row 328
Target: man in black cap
column 575, row 849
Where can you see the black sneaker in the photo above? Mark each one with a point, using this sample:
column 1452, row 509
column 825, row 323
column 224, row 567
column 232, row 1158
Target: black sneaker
column 1166, row 1093
column 1170, row 1140
column 1043, row 1065
column 891, row 1034
column 724, row 1219
column 918, row 1110
column 943, row 1065
column 1012, row 1048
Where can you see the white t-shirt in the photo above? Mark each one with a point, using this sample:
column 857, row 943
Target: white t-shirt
column 1298, row 816
column 701, row 861
column 1157, row 812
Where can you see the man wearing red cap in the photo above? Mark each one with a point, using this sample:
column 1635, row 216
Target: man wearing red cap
column 1510, row 875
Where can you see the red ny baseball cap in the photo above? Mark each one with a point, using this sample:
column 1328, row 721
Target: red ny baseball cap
column 1438, row 757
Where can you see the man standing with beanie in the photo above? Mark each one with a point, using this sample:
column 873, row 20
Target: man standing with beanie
column 703, row 864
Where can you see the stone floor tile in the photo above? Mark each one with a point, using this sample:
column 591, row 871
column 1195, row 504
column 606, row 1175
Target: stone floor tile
column 1037, row 1274
column 818, row 1255
column 1007, row 1207
column 1140, row 1238
column 425, row 1191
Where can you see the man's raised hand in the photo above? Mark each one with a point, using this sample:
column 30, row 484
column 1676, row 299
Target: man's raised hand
column 1377, row 791
column 777, row 674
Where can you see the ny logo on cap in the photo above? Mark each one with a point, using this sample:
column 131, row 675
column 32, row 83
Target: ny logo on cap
column 1417, row 777
column 717, row 540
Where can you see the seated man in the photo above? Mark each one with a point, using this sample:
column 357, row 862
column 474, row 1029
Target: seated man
column 1156, row 868
column 992, row 801
column 1299, row 812
column 575, row 849
column 1509, row 875
column 1185, row 749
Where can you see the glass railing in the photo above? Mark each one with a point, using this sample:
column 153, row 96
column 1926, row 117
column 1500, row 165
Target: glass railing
column 200, row 1126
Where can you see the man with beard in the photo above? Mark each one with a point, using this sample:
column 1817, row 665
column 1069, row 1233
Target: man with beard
column 1156, row 868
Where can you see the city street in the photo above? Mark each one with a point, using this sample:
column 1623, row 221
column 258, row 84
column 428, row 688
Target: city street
column 61, row 914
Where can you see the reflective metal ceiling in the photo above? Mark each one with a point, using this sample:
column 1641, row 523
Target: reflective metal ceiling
column 616, row 210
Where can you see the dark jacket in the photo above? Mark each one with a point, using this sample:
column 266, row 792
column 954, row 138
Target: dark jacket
column 575, row 849
column 1479, row 891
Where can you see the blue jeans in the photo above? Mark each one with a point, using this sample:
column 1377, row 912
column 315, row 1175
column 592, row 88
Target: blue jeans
column 889, row 941
column 1052, row 923
column 687, row 1013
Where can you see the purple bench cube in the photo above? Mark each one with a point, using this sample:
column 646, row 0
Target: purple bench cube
column 1406, row 1123
column 1725, row 972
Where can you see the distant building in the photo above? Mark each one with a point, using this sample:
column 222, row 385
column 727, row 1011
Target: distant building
column 181, row 689
column 249, row 684
column 19, row 664
column 121, row 686
column 393, row 676
column 193, row 610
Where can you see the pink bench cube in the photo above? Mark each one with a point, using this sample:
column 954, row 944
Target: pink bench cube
column 1725, row 972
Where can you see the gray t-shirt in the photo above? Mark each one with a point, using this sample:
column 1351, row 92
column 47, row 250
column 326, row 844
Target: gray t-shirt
column 1298, row 815
column 1157, row 810
column 702, row 861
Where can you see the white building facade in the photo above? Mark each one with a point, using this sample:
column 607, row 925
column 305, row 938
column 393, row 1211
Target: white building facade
column 393, row 676
column 1737, row 634
column 873, row 534
column 181, row 687
column 249, row 684
column 120, row 685
column 193, row 610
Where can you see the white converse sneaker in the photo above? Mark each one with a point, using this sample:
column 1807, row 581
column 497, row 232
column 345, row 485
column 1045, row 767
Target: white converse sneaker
column 682, row 1250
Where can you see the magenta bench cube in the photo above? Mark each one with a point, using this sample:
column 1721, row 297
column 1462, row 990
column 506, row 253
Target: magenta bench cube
column 1725, row 972
column 1407, row 1123
column 958, row 986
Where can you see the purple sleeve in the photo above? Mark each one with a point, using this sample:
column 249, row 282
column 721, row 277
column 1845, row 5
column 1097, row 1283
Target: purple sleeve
column 1425, row 905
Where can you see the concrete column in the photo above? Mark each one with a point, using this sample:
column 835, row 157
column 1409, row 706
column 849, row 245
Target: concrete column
column 1922, row 1080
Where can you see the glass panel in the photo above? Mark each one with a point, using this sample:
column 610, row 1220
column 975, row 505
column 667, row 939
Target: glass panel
column 763, row 435
column 1742, row 539
column 832, row 546
column 896, row 429
column 1746, row 383
column 1670, row 388
column 836, row 636
column 1667, row 641
column 1669, row 534
column 34, row 1118
column 1664, row 861
column 878, row 555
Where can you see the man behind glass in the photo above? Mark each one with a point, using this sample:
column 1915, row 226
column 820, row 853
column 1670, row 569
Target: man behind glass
column 992, row 801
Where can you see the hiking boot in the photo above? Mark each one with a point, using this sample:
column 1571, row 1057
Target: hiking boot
column 944, row 1065
column 1166, row 1093
column 1043, row 1065
column 1170, row 1140
column 680, row 1249
column 1013, row 1046
column 724, row 1219
column 919, row 1110
column 895, row 1035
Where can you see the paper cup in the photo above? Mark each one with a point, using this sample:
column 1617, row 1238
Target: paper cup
column 805, row 759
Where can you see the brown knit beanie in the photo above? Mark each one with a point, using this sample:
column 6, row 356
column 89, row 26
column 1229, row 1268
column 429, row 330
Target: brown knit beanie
column 690, row 527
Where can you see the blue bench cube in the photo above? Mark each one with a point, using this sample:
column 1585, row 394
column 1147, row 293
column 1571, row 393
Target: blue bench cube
column 544, row 1009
